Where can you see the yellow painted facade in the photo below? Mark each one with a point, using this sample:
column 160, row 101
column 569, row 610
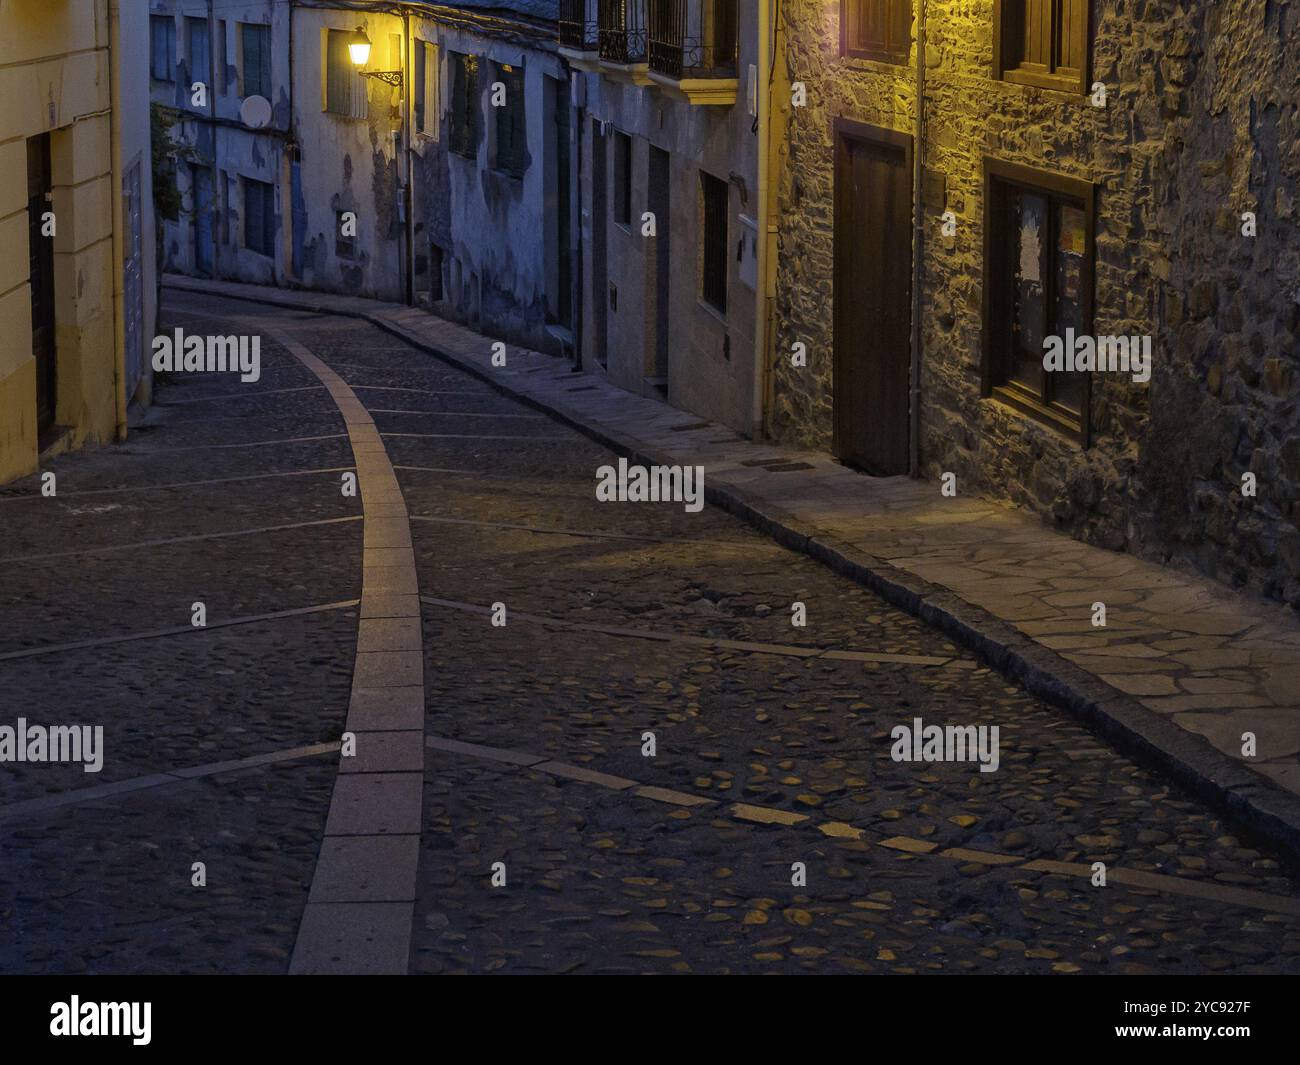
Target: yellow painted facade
column 61, row 74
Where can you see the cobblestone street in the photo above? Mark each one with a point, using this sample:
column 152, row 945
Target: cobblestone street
column 771, row 830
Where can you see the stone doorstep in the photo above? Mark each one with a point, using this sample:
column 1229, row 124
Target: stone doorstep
column 1248, row 795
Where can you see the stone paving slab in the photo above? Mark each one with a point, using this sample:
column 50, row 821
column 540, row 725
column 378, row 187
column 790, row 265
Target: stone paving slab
column 997, row 580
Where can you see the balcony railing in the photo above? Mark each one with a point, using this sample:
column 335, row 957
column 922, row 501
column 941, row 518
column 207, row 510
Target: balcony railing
column 622, row 28
column 693, row 38
column 576, row 31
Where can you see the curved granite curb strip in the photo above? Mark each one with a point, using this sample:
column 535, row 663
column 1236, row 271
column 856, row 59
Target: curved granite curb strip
column 358, row 915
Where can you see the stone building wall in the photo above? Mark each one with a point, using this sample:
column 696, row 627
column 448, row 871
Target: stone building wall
column 1195, row 131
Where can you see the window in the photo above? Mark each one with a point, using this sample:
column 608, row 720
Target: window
column 511, row 144
column 435, row 273
column 162, row 48
column 876, row 29
column 622, row 179
column 1042, row 42
column 222, row 82
column 255, row 59
column 464, row 105
column 345, row 88
column 197, row 52
column 259, row 217
column 426, row 89
column 1038, row 262
column 713, row 252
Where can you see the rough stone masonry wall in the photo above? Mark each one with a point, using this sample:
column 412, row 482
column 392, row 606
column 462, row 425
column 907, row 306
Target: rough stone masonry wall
column 1224, row 402
column 1166, row 168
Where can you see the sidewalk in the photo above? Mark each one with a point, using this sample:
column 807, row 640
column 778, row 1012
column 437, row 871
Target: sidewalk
column 1182, row 669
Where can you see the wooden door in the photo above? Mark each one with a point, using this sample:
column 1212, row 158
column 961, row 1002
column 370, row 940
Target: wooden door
column 41, row 261
column 873, row 292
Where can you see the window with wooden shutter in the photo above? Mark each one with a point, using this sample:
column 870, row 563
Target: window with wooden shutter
column 464, row 115
column 511, row 146
column 345, row 89
column 259, row 217
column 162, row 48
column 876, row 29
column 255, row 50
column 715, row 244
column 1042, row 42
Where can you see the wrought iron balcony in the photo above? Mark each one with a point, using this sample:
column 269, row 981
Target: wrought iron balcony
column 692, row 39
column 577, row 31
column 622, row 30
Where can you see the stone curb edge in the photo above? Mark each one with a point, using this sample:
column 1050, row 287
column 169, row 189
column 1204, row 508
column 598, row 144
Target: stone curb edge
column 1189, row 759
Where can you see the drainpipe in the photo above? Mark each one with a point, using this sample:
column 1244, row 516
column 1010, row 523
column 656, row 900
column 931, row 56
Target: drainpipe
column 762, row 87
column 114, row 29
column 918, row 246
column 576, row 129
column 408, row 133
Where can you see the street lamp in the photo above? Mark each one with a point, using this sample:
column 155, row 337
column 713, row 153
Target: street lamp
column 359, row 50
column 359, row 47
column 359, row 53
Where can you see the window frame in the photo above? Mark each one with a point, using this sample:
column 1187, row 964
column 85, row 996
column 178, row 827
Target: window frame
column 852, row 15
column 155, row 23
column 357, row 104
column 465, row 107
column 999, row 177
column 264, row 60
column 719, row 247
column 1007, row 68
column 266, row 239
column 193, row 23
column 426, row 72
column 514, row 117
column 620, row 202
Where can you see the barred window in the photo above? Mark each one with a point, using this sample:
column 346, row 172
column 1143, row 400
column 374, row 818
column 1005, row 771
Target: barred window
column 714, row 244
column 622, row 179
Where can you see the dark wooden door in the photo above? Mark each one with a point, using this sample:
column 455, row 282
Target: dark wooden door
column 564, row 196
column 873, row 291
column 599, row 260
column 659, row 203
column 41, row 253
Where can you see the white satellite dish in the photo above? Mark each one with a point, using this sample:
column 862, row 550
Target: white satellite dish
column 255, row 111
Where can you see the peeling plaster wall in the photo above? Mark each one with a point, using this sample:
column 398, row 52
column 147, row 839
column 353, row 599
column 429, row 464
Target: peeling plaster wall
column 711, row 357
column 216, row 137
column 490, row 224
column 1200, row 125
column 350, row 164
column 486, row 223
column 55, row 78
